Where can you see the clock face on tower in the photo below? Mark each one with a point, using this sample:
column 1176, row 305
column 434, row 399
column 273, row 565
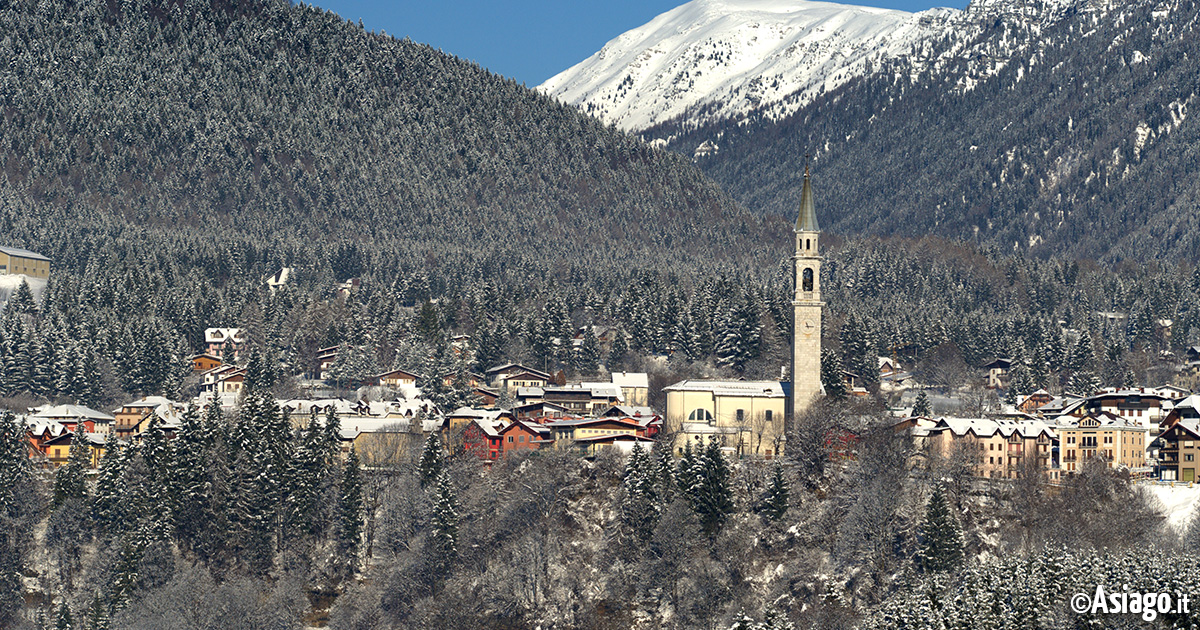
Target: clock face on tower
column 808, row 328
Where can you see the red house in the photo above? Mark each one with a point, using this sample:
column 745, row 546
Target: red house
column 482, row 439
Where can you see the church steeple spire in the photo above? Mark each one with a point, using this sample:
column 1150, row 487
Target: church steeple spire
column 806, row 331
column 807, row 219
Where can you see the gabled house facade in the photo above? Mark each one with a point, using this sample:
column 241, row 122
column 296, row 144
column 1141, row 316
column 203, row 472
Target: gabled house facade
column 1179, row 451
column 1121, row 442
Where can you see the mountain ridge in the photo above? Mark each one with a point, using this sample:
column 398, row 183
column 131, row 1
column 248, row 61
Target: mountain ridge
column 710, row 59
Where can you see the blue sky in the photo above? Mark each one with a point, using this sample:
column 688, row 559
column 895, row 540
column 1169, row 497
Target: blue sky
column 528, row 40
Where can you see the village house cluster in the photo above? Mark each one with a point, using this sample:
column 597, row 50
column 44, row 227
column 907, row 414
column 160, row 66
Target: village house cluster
column 1147, row 432
column 1150, row 433
column 543, row 413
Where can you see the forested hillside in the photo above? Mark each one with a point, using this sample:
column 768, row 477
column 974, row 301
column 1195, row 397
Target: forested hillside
column 1062, row 129
column 286, row 127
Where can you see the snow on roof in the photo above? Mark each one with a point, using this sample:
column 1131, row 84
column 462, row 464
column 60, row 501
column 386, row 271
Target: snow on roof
column 987, row 427
column 631, row 411
column 616, row 437
column 608, row 390
column 220, row 335
column 72, row 413
column 575, row 422
column 1105, row 419
column 517, row 367
column 631, row 379
column 755, row 389
column 479, row 414
column 149, row 401
column 361, row 424
column 22, row 253
column 531, row 426
column 39, row 426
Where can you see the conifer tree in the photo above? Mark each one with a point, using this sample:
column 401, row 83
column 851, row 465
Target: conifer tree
column 307, row 478
column 775, row 504
column 713, row 496
column 941, row 543
column 69, row 480
column 22, row 300
column 97, row 616
column 444, row 534
column 351, row 508
column 687, row 477
column 63, row 620
column 15, row 473
column 432, row 461
column 587, row 357
column 665, row 485
column 921, row 407
column 639, row 506
column 428, row 324
column 331, row 444
column 831, row 375
column 858, row 349
column 188, row 469
column 109, row 504
column 617, row 353
column 250, row 513
column 159, row 494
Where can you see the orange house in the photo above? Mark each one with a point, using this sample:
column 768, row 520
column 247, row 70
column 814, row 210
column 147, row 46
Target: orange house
column 205, row 362
column 523, row 435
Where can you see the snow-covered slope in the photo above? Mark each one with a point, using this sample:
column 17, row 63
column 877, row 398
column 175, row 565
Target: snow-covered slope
column 714, row 59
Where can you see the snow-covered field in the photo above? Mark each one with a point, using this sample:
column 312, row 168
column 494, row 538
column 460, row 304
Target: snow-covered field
column 9, row 283
column 1178, row 501
column 735, row 56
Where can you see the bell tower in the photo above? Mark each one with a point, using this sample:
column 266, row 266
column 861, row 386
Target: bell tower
column 806, row 326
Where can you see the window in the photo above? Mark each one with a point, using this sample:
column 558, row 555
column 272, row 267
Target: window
column 768, row 415
column 807, row 282
column 510, row 439
column 701, row 415
column 807, row 243
column 741, row 415
column 1187, row 457
column 521, row 439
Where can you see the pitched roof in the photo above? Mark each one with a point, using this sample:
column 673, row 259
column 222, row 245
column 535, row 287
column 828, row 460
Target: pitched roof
column 22, row 253
column 579, row 422
column 517, row 367
column 631, row 379
column 629, row 411
column 72, row 413
column 214, row 335
column 1103, row 419
column 757, row 389
column 986, row 427
column 807, row 219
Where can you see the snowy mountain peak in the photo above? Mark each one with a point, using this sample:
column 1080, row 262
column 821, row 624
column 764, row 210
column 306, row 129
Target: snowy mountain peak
column 710, row 59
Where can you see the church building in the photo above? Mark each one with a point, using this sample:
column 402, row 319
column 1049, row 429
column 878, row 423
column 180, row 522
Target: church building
column 750, row 417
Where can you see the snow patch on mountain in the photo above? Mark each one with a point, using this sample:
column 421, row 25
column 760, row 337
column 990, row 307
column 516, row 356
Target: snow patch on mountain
column 713, row 59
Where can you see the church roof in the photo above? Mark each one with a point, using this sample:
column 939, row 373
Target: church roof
column 807, row 221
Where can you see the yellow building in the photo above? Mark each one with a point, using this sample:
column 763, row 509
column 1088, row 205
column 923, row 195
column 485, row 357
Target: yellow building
column 747, row 416
column 1120, row 441
column 32, row 264
column 635, row 387
column 58, row 450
